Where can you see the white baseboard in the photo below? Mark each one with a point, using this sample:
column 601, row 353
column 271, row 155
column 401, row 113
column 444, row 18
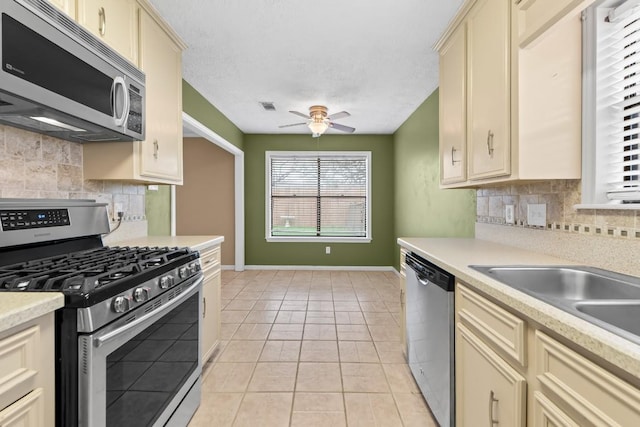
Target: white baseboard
column 319, row 267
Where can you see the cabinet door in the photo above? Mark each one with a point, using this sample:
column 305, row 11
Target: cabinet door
column 210, row 314
column 488, row 93
column 547, row 414
column 537, row 16
column 114, row 22
column 489, row 392
column 453, row 146
column 161, row 152
column 26, row 412
column 67, row 6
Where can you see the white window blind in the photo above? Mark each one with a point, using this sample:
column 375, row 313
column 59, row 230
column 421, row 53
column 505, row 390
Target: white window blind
column 318, row 195
column 618, row 100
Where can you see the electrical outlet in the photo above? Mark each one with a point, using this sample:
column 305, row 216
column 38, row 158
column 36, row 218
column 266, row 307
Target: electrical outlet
column 327, row 250
column 117, row 207
column 537, row 214
column 509, row 215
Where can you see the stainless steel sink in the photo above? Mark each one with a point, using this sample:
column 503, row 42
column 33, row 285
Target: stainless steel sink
column 608, row 299
column 570, row 283
column 622, row 314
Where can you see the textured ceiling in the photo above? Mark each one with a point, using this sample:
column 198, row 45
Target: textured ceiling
column 372, row 58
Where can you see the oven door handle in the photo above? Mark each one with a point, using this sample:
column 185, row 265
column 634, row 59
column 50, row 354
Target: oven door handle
column 185, row 294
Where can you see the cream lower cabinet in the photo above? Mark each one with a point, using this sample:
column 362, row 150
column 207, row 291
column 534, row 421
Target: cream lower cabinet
column 157, row 159
column 511, row 373
column 403, row 299
column 210, row 261
column 489, row 391
column 27, row 369
column 112, row 21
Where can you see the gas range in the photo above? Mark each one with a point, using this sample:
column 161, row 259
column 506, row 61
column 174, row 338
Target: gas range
column 129, row 332
column 106, row 282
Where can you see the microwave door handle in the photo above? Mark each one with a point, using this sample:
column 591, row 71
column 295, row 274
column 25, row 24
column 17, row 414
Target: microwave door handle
column 100, row 341
column 119, row 81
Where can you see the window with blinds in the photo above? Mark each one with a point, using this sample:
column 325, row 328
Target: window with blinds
column 614, row 56
column 315, row 196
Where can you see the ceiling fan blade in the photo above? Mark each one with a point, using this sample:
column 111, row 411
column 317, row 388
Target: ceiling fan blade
column 343, row 128
column 292, row 124
column 297, row 113
column 340, row 115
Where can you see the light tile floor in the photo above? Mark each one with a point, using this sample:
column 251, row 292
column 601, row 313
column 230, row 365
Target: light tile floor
column 310, row 348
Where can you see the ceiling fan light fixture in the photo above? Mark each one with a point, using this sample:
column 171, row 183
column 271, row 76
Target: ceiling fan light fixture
column 318, row 127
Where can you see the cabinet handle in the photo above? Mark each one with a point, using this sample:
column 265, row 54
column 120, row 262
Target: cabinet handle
column 204, row 309
column 518, row 2
column 490, row 142
column 102, row 25
column 492, row 400
column 453, row 162
column 156, row 148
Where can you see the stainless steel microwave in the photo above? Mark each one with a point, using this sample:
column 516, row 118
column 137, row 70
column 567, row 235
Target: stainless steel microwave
column 60, row 80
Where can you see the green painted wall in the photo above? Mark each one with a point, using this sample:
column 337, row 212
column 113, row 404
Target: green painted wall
column 158, row 211
column 421, row 208
column 200, row 109
column 379, row 252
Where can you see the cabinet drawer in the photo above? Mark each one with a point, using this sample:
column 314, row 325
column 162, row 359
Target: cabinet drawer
column 210, row 258
column 26, row 412
column 584, row 390
column 500, row 329
column 19, row 358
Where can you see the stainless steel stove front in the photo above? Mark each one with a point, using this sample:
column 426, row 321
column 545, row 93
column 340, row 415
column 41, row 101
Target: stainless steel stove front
column 140, row 369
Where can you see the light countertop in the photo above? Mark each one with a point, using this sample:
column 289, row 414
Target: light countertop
column 193, row 242
column 20, row 307
column 456, row 254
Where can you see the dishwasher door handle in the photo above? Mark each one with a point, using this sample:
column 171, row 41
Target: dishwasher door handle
column 423, row 282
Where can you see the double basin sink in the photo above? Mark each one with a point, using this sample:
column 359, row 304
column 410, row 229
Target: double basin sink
column 607, row 299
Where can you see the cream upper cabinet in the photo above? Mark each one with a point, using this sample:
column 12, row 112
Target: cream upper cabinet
column 161, row 60
column 537, row 16
column 523, row 106
column 489, row 392
column 453, row 144
column 157, row 159
column 488, row 93
column 114, row 22
column 67, row 6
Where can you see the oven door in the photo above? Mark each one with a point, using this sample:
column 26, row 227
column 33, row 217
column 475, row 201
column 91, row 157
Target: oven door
column 144, row 367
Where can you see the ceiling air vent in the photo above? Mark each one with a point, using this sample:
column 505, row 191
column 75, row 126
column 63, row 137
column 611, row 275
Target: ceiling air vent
column 268, row 106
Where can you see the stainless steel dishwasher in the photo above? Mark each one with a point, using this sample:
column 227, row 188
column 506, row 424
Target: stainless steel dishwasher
column 430, row 335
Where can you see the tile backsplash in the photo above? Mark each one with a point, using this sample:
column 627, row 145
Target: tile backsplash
column 559, row 196
column 39, row 166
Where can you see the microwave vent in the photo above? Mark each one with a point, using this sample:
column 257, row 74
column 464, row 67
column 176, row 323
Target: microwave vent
column 95, row 137
column 51, row 14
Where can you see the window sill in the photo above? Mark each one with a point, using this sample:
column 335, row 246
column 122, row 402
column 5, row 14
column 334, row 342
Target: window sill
column 318, row 239
column 607, row 206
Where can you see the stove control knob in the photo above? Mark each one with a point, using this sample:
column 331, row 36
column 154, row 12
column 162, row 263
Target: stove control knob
column 166, row 282
column 195, row 266
column 120, row 304
column 141, row 294
column 183, row 272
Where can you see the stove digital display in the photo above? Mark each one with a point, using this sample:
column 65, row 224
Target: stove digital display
column 33, row 218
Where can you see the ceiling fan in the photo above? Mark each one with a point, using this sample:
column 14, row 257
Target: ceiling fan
column 318, row 120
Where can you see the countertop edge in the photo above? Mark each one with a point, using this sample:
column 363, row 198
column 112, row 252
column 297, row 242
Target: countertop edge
column 616, row 350
column 17, row 308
